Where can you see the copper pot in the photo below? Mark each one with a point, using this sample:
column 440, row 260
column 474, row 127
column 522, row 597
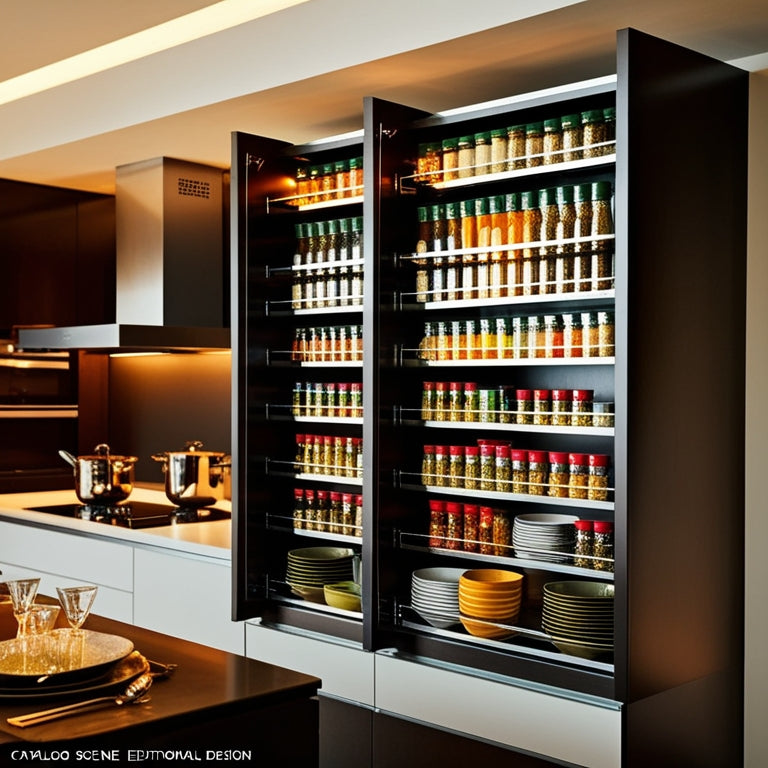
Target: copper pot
column 103, row 478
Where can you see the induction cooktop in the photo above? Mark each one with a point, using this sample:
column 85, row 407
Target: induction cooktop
column 135, row 514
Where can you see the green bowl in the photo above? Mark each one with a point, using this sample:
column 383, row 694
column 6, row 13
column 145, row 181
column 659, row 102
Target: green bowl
column 344, row 595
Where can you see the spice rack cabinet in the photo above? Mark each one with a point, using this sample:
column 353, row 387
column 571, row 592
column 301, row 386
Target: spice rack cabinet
column 675, row 376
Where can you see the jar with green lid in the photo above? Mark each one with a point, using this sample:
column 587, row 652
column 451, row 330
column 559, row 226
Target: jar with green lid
column 562, row 406
column 483, row 224
column 582, row 265
column 603, row 546
column 471, row 467
column 597, row 483
column 466, row 157
column 609, row 115
column 519, row 459
column 428, row 465
column 542, row 407
column 514, row 210
column 344, row 242
column 534, row 144
column 437, row 229
column 297, row 399
column 321, row 255
column 442, row 465
column 332, row 234
column 516, row 147
column 327, row 182
column 593, row 130
column 297, row 292
column 300, row 251
column 487, row 467
column 558, row 475
column 583, row 547
column 531, row 233
column 602, row 224
column 606, row 334
column 566, row 225
column 572, row 137
column 503, row 469
column 320, row 400
column 482, row 153
column 313, row 253
column 452, row 226
column 581, row 413
column 355, row 178
column 553, row 141
column 456, row 466
column 450, row 161
column 524, row 406
column 471, row 401
column 550, row 215
column 452, row 262
column 442, row 402
column 422, row 246
column 444, row 349
column 578, row 473
column 341, row 169
column 538, row 473
column 498, row 150
column 458, row 340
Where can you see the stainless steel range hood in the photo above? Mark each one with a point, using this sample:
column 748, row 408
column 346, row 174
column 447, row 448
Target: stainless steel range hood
column 170, row 256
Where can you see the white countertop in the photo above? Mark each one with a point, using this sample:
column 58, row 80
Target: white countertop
column 208, row 539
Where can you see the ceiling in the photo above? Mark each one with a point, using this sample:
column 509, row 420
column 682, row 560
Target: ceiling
column 301, row 73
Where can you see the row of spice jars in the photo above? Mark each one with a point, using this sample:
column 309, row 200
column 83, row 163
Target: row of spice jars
column 587, row 134
column 329, row 181
column 328, row 511
column 335, row 455
column 321, row 287
column 322, row 242
column 554, row 218
column 585, row 334
column 469, row 528
column 594, row 545
column 328, row 344
column 327, row 399
column 459, row 401
column 496, row 466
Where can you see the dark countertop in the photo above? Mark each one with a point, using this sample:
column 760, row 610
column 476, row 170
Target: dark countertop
column 213, row 701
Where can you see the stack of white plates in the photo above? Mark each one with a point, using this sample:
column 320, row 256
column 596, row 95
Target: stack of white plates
column 310, row 568
column 578, row 615
column 435, row 595
column 541, row 536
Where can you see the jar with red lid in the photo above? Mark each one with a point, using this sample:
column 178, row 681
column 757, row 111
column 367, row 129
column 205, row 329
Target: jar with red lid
column 323, row 518
column 442, row 401
column 503, row 469
column 428, row 401
column 347, row 512
column 578, row 472
column 471, row 401
column 583, row 548
column 558, row 475
column 542, row 407
column 358, row 515
column 456, row 466
column 581, row 414
column 327, row 460
column 603, row 546
column 487, row 467
column 456, row 401
column 502, row 533
column 442, row 465
column 597, row 481
column 337, row 513
column 524, row 410
column 454, row 525
column 471, row 527
column 562, row 406
column 298, row 508
column 486, row 531
column 437, row 523
column 519, row 459
column 471, row 467
column 310, row 510
column 538, row 472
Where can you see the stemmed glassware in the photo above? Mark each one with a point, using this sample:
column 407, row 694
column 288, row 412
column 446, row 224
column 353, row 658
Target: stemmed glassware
column 76, row 602
column 23, row 593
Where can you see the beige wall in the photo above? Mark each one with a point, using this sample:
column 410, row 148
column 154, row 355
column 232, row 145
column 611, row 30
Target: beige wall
column 756, row 678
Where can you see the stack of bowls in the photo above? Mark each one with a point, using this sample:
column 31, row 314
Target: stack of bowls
column 310, row 568
column 541, row 536
column 494, row 597
column 435, row 595
column 578, row 615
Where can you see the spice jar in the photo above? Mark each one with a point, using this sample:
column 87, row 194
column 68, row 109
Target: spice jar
column 487, row 467
column 323, row 513
column 310, row 510
column 514, row 211
column 582, row 264
column 441, row 401
column 356, row 183
column 542, row 407
column 553, row 141
column 519, row 459
column 349, row 514
column 358, row 530
column 502, row 533
column 562, row 400
column 531, row 234
column 428, row 465
column 591, row 334
column 471, row 467
column 483, row 224
column 515, row 147
column 602, row 224
column 566, row 223
column 602, row 414
column 593, row 129
column 437, row 523
column 503, row 469
column 356, row 400
column 498, row 150
column 337, row 513
column 317, row 455
column 609, row 116
column 581, row 414
column 519, row 337
column 489, row 347
column 558, row 475
column 422, row 246
column 524, row 409
column 452, row 267
column 583, row 547
column 339, row 456
column 506, row 403
column 454, row 525
column 430, row 164
column 468, row 240
column 572, row 138
column 466, row 157
column 534, row 144
column 471, row 401
column 573, row 337
column 553, row 336
column 486, row 531
column 442, row 465
column 443, row 343
column 471, row 527
column 456, row 466
column 327, row 467
column 327, row 182
column 538, row 472
column 537, row 337
column 458, row 340
column 603, row 546
column 474, row 348
column 298, row 508
column 578, row 476
column 450, row 160
column 498, row 268
column 605, row 334
column 456, row 401
column 489, row 406
column 428, row 401
column 550, row 215
column 302, row 186
column 597, row 483
column 482, row 153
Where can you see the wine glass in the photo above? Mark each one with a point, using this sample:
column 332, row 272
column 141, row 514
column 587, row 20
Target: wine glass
column 76, row 602
column 23, row 593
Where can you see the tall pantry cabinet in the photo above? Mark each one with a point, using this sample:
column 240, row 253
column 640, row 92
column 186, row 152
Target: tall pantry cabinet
column 669, row 667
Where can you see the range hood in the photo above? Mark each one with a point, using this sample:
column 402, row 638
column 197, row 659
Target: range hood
column 170, row 256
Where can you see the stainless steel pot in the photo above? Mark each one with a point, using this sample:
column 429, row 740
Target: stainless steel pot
column 103, row 478
column 195, row 478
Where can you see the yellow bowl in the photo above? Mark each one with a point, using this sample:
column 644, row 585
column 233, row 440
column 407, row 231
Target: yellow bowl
column 491, row 580
column 344, row 594
column 479, row 629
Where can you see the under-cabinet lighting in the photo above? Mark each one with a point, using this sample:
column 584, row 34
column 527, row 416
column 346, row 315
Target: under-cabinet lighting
column 184, row 29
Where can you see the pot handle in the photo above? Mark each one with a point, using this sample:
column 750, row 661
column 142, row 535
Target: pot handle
column 69, row 458
column 161, row 457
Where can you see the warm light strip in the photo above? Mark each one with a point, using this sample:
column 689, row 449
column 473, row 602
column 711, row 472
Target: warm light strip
column 207, row 21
